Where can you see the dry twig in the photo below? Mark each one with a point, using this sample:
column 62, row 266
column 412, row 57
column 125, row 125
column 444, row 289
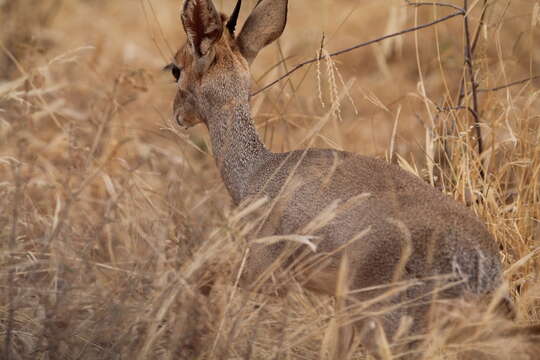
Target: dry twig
column 506, row 86
column 370, row 42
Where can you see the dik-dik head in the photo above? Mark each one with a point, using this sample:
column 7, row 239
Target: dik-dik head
column 212, row 68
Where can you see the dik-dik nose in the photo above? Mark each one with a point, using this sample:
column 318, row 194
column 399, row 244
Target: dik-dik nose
column 184, row 109
column 177, row 116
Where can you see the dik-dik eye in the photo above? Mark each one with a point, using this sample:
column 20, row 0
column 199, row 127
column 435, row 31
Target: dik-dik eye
column 175, row 71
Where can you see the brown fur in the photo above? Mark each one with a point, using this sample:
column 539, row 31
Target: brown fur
column 410, row 231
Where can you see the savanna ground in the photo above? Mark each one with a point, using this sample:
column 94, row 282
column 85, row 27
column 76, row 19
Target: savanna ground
column 113, row 220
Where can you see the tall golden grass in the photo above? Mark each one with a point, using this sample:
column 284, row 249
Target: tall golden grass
column 117, row 237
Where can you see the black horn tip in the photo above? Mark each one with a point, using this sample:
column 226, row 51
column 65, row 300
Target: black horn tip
column 231, row 24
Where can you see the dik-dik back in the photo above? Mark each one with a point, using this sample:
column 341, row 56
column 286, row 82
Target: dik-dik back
column 388, row 224
column 402, row 222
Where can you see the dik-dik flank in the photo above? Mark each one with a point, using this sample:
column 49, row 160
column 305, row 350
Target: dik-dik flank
column 388, row 224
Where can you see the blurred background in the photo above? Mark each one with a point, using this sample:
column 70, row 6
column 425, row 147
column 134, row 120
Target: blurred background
column 93, row 45
column 112, row 219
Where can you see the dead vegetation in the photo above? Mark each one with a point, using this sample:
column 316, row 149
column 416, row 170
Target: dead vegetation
column 118, row 239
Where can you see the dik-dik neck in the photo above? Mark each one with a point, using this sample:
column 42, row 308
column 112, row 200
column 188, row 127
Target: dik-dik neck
column 236, row 146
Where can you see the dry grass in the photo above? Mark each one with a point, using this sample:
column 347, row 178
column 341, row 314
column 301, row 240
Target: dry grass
column 113, row 223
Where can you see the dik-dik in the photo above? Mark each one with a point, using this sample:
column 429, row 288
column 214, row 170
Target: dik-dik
column 386, row 223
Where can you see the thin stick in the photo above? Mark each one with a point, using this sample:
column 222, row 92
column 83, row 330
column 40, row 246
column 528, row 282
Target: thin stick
column 418, row 4
column 480, row 24
column 487, row 90
column 505, row 86
column 470, row 68
column 343, row 51
column 473, row 49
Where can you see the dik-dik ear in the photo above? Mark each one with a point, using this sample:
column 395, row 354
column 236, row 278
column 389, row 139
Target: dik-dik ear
column 264, row 25
column 202, row 24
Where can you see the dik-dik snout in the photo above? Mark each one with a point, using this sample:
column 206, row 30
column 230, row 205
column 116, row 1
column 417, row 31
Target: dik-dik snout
column 185, row 110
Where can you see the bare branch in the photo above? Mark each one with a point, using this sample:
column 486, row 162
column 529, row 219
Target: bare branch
column 474, row 86
column 418, row 4
column 320, row 57
column 505, row 86
column 473, row 49
column 480, row 24
column 450, row 108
